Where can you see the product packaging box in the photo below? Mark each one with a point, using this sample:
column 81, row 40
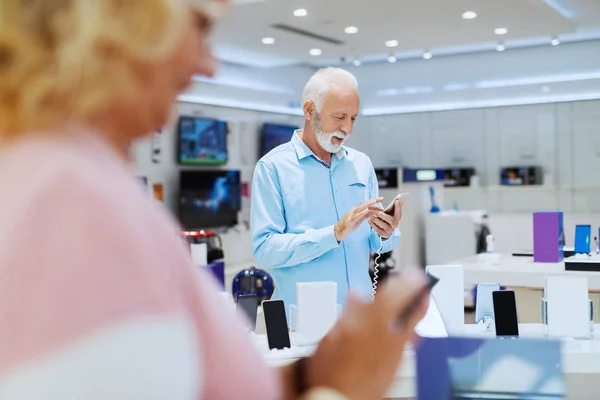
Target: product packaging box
column 456, row 368
column 548, row 237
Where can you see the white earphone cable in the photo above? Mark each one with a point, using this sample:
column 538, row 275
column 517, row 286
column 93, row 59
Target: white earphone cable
column 376, row 268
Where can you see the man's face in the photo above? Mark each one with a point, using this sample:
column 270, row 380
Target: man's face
column 336, row 120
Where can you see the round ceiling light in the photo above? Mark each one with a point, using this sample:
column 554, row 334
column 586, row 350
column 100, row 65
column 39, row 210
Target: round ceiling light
column 500, row 31
column 301, row 12
column 501, row 47
column 555, row 42
column 391, row 43
column 357, row 63
column 351, row 30
column 268, row 40
column 427, row 55
column 392, row 59
column 315, row 52
column 469, row 15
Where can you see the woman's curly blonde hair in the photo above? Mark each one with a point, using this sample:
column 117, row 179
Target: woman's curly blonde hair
column 62, row 59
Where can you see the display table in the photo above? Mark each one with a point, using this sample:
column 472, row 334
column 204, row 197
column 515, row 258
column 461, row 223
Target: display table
column 523, row 276
column 581, row 362
column 514, row 271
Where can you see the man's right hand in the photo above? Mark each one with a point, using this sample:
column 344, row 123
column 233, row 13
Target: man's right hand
column 351, row 221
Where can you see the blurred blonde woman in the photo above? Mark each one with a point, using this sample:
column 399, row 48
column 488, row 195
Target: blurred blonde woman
column 98, row 297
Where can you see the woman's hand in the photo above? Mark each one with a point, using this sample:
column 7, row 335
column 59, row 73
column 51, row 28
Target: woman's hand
column 360, row 355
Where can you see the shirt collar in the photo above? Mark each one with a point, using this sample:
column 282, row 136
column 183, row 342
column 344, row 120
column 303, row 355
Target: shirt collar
column 303, row 151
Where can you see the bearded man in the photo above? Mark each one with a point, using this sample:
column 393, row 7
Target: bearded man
column 316, row 212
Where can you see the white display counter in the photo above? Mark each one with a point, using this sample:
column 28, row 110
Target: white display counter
column 581, row 362
column 514, row 271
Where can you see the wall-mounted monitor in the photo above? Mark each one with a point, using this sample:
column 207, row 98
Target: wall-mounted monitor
column 201, row 141
column 458, row 177
column 273, row 135
column 520, row 176
column 209, row 199
column 422, row 175
column 387, row 178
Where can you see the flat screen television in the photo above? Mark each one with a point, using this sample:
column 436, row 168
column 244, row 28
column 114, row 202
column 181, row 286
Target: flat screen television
column 201, row 141
column 387, row 178
column 273, row 135
column 209, row 199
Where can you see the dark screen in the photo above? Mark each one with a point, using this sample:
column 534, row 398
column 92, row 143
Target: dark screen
column 209, row 199
column 273, row 135
column 505, row 313
column 202, row 141
column 387, row 178
column 276, row 324
column 248, row 304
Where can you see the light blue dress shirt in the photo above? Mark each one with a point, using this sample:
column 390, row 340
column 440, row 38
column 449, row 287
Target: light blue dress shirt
column 296, row 201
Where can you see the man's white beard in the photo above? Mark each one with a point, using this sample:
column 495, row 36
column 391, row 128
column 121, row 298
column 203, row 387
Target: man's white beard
column 324, row 138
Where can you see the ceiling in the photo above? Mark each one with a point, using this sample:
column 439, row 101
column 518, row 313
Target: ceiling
column 417, row 26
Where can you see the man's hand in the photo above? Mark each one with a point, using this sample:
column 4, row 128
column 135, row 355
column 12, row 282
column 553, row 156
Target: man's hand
column 384, row 224
column 351, row 221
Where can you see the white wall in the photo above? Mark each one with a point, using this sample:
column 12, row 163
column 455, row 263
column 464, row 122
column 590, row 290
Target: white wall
column 563, row 138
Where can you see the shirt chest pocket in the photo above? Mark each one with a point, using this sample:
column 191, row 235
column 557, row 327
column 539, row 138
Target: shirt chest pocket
column 356, row 194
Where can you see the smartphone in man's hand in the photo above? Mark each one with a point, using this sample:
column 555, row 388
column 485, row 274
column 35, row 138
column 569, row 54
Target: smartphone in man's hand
column 391, row 208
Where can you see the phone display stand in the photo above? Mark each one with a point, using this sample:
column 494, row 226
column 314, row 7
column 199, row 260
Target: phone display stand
column 484, row 306
column 544, row 313
column 449, row 295
column 567, row 307
column 294, row 315
column 316, row 312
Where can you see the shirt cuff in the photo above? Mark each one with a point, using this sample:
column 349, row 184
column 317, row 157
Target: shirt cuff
column 323, row 394
column 326, row 238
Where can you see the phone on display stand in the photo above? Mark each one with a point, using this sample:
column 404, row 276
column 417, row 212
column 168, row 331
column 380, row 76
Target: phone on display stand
column 276, row 324
column 248, row 305
column 391, row 208
column 505, row 313
column 583, row 235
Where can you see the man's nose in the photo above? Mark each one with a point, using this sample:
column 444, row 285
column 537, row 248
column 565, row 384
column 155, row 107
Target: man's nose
column 347, row 126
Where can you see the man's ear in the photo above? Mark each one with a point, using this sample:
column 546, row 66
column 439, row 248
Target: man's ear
column 309, row 110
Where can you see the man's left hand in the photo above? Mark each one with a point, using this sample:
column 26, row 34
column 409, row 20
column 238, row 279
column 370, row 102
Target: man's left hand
column 384, row 224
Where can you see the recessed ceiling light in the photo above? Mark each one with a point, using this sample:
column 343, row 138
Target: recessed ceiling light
column 427, row 55
column 392, row 59
column 268, row 40
column 469, row 15
column 391, row 43
column 500, row 31
column 501, row 47
column 315, row 52
column 357, row 63
column 555, row 42
column 301, row 12
column 351, row 30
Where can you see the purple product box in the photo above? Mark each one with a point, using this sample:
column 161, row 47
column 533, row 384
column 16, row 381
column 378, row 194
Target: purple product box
column 548, row 237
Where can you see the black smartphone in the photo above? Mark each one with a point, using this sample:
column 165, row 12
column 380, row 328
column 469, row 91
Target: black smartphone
column 248, row 305
column 505, row 313
column 278, row 335
column 418, row 300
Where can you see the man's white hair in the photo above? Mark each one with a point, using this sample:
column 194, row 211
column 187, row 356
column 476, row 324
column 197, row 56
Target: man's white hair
column 322, row 81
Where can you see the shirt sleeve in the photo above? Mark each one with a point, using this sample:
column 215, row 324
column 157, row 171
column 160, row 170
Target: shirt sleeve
column 271, row 246
column 375, row 241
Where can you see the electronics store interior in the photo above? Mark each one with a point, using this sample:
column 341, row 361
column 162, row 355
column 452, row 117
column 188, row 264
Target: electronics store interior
column 396, row 204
